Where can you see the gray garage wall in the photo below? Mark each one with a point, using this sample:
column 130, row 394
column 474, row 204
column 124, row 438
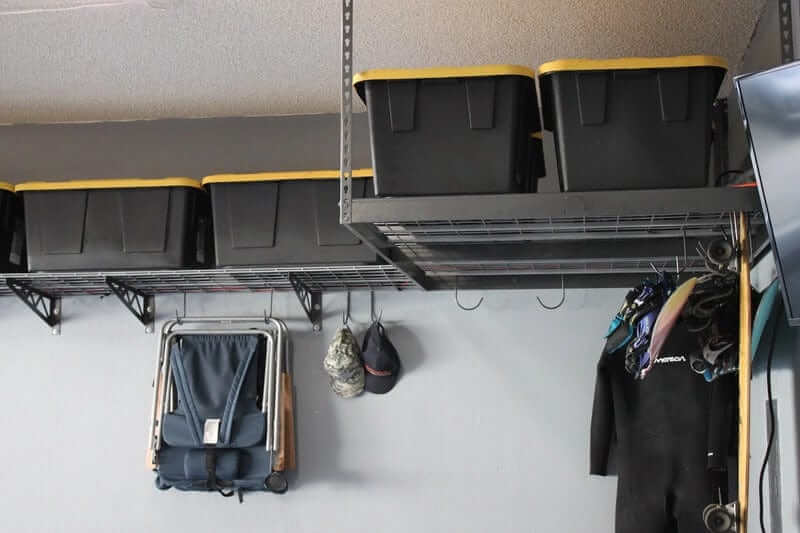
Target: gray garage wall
column 487, row 431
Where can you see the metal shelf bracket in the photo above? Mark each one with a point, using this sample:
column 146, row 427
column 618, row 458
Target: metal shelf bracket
column 310, row 300
column 46, row 306
column 141, row 305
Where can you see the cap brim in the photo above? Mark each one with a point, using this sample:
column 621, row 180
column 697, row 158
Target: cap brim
column 379, row 384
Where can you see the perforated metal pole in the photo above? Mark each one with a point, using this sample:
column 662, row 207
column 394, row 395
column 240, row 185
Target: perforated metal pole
column 346, row 114
column 786, row 30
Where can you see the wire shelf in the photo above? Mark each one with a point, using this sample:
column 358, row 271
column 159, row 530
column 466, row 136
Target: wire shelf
column 407, row 233
column 566, row 267
column 585, row 235
column 325, row 278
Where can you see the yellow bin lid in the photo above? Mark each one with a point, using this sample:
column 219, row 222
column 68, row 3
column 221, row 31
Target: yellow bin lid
column 6, row 186
column 632, row 63
column 440, row 72
column 286, row 175
column 75, row 185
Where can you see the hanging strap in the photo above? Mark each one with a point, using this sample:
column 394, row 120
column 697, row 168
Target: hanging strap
column 211, row 468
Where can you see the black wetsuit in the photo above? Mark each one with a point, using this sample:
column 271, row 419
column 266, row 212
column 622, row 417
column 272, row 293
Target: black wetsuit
column 669, row 434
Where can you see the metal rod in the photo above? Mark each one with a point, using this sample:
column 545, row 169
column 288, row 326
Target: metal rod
column 346, row 114
column 745, row 324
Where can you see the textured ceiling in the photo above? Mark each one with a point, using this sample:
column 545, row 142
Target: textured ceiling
column 257, row 57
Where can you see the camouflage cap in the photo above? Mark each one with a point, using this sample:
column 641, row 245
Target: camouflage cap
column 343, row 364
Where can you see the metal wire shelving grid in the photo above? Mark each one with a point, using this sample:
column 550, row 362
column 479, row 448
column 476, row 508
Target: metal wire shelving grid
column 323, row 278
column 407, row 234
column 620, row 233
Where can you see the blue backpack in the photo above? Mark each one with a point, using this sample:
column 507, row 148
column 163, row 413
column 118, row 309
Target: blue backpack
column 220, row 435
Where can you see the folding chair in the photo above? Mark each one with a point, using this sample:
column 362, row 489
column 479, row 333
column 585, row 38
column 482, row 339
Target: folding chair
column 217, row 405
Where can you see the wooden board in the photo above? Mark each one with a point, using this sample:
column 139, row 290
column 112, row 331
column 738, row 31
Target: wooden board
column 745, row 325
column 286, row 459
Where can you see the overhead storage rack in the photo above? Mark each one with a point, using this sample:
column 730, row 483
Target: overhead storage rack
column 531, row 240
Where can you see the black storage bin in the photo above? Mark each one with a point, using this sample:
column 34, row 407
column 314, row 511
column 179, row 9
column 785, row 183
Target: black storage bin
column 284, row 218
column 12, row 257
column 452, row 130
column 631, row 123
column 116, row 224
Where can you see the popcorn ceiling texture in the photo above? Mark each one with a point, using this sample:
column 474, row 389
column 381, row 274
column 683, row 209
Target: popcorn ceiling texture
column 258, row 57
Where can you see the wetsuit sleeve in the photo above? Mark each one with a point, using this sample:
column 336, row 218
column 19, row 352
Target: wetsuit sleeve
column 602, row 427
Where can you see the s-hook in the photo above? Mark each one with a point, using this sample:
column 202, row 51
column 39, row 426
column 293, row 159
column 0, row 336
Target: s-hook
column 560, row 303
column 462, row 307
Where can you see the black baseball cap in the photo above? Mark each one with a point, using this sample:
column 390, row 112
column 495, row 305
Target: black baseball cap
column 381, row 362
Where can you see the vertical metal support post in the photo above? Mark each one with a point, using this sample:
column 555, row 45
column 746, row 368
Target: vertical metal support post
column 346, row 115
column 786, row 31
column 745, row 322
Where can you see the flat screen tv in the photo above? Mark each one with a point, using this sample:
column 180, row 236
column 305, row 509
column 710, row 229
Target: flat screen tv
column 770, row 104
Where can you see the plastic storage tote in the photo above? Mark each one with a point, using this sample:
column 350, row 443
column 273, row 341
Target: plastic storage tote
column 11, row 235
column 284, row 218
column 631, row 123
column 116, row 224
column 452, row 130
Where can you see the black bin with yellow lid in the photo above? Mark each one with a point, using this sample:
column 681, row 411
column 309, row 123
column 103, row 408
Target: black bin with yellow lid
column 116, row 224
column 285, row 218
column 12, row 240
column 453, row 130
column 631, row 123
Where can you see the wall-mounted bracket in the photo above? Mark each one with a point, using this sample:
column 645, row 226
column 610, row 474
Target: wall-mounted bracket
column 310, row 300
column 46, row 306
column 141, row 305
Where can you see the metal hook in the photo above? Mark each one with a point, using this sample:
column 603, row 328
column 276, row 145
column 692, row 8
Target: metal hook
column 685, row 256
column 178, row 318
column 464, row 308
column 559, row 304
column 372, row 316
column 346, row 313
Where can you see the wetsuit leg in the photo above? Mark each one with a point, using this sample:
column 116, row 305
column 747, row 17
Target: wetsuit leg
column 692, row 495
column 642, row 501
